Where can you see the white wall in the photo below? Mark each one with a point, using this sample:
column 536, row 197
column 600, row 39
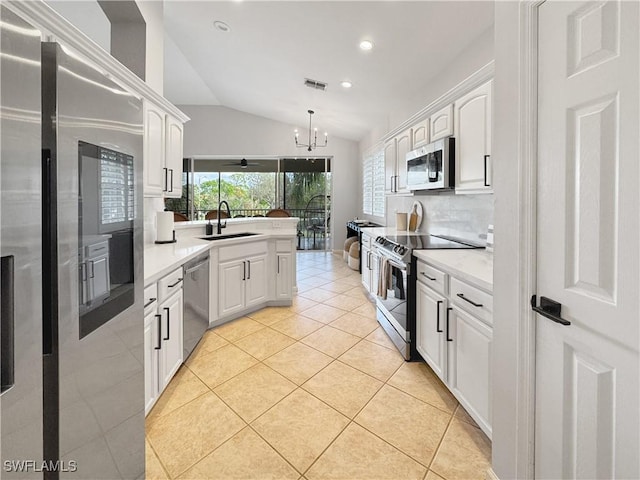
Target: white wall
column 476, row 56
column 88, row 17
column 153, row 13
column 215, row 130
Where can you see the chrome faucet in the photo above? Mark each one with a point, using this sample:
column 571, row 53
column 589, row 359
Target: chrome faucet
column 220, row 225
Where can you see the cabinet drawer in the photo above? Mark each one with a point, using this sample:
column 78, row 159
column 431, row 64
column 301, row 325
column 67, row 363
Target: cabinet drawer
column 150, row 298
column 243, row 250
column 432, row 277
column 97, row 249
column 472, row 299
column 169, row 284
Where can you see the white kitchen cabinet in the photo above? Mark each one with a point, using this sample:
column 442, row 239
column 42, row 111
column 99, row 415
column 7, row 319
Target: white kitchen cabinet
column 172, row 334
column 284, row 269
column 284, row 276
column 242, row 275
column 173, row 158
column 441, row 123
column 472, row 119
column 454, row 335
column 469, row 369
column 163, row 144
column 430, row 341
column 152, row 339
column 256, row 280
column 395, row 157
column 420, row 134
column 153, row 151
column 163, row 334
column 370, row 262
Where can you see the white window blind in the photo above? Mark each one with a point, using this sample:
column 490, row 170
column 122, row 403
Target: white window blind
column 116, row 187
column 378, row 184
column 373, row 184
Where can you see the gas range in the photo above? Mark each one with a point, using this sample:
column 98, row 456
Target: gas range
column 399, row 247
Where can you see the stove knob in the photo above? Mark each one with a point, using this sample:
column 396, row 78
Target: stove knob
column 403, row 250
column 380, row 239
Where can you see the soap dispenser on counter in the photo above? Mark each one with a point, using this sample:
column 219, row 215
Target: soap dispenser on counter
column 209, row 228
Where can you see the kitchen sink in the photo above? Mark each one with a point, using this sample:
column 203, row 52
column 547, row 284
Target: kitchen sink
column 230, row 235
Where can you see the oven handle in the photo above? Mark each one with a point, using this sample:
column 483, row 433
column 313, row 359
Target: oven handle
column 392, row 261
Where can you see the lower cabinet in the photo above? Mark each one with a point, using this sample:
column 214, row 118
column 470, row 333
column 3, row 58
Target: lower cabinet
column 242, row 277
column 469, row 375
column 284, row 277
column 455, row 343
column 430, row 343
column 370, row 262
column 163, row 334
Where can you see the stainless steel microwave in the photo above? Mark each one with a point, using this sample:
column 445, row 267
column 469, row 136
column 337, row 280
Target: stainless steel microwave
column 432, row 167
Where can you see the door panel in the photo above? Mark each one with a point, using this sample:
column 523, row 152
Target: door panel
column 587, row 396
column 431, row 342
column 232, row 275
column 256, row 283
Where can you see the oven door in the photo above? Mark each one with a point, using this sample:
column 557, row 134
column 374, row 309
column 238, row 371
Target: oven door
column 394, row 304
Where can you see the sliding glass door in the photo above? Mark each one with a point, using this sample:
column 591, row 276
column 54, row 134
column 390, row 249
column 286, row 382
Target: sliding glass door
column 255, row 187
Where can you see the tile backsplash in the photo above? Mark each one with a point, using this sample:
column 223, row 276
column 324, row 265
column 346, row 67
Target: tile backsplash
column 464, row 216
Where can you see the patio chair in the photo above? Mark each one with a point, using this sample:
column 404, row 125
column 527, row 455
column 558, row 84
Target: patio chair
column 278, row 212
column 213, row 215
column 314, row 216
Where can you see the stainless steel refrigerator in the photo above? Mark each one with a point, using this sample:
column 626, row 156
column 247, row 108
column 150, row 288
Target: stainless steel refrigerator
column 72, row 402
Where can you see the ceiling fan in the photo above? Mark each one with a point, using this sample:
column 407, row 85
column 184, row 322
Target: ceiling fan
column 242, row 164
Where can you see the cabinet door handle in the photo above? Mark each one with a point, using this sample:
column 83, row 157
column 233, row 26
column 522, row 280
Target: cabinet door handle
column 448, row 337
column 278, row 264
column 159, row 343
column 166, row 179
column 486, row 184
column 391, row 184
column 168, row 310
column 461, row 295
column 7, row 317
column 93, row 273
column 439, row 302
column 151, row 300
column 171, row 182
column 177, row 282
column 433, row 279
column 248, row 269
column 244, row 271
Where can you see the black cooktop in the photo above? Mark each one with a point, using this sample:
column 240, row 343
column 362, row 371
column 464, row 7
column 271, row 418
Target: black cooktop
column 431, row 242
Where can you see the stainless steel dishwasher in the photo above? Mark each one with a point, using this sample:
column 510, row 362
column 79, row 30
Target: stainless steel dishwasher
column 196, row 302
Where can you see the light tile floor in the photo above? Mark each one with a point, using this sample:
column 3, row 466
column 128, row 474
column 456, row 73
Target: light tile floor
column 312, row 391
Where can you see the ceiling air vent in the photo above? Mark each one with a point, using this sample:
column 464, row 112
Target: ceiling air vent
column 315, row 84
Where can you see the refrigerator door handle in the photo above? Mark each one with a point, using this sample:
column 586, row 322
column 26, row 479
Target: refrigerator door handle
column 7, row 313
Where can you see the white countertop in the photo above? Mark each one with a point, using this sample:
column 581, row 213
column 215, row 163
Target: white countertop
column 473, row 266
column 161, row 259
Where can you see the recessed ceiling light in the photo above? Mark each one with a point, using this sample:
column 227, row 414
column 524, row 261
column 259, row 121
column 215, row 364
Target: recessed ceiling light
column 223, row 27
column 346, row 84
column 366, row 45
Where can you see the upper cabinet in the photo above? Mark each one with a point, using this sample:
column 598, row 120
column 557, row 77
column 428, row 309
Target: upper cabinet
column 441, row 123
column 395, row 167
column 472, row 118
column 421, row 134
column 173, row 156
column 163, row 139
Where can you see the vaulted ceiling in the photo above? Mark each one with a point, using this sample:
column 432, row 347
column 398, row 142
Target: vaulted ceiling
column 260, row 64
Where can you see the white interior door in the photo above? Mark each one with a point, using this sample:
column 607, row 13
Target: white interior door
column 587, row 375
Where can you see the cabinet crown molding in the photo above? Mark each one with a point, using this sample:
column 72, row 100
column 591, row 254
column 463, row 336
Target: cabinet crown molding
column 52, row 23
